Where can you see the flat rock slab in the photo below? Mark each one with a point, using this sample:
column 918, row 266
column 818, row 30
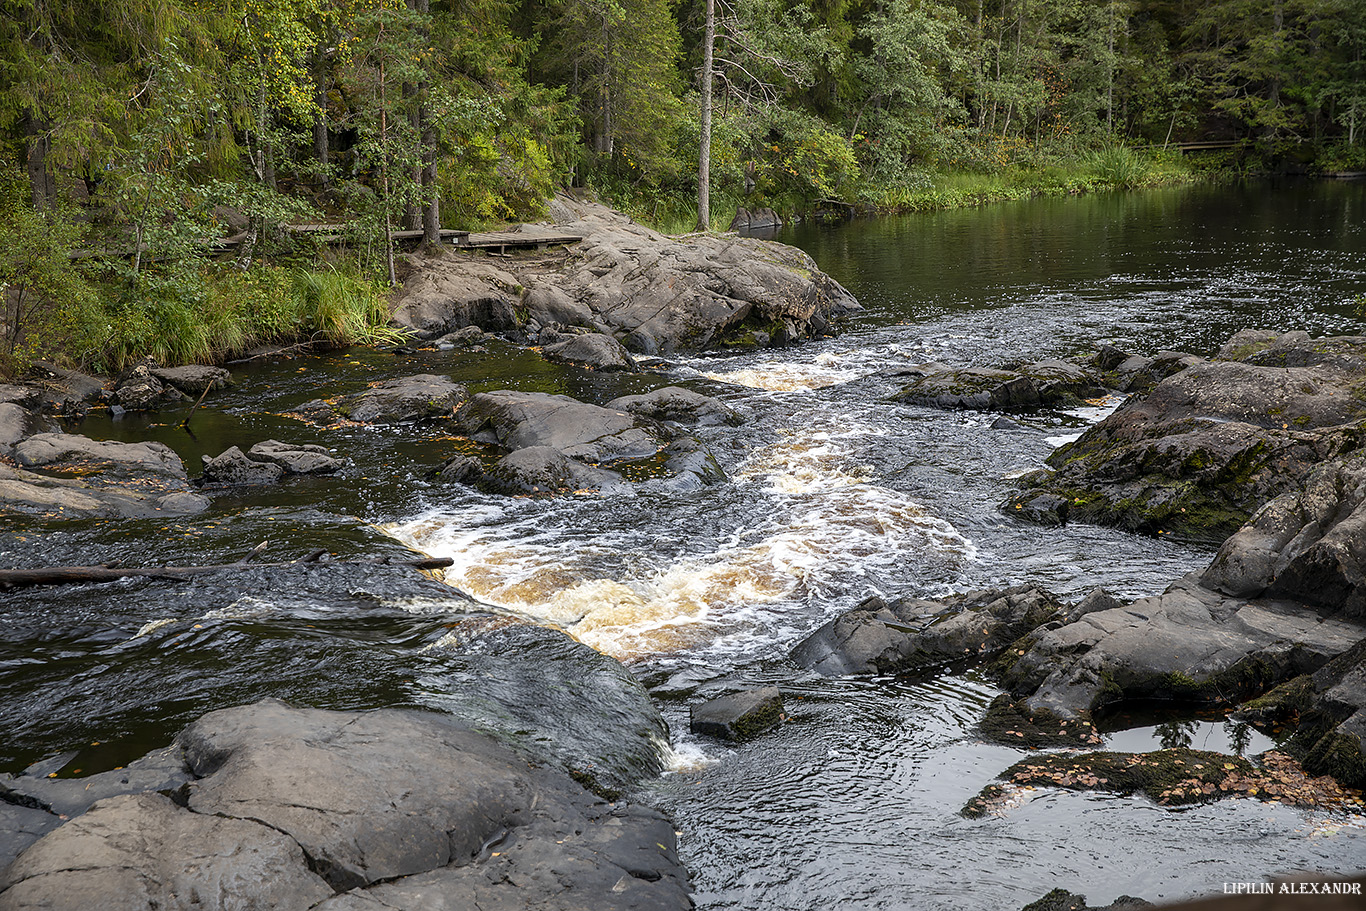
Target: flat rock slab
column 193, row 379
column 295, row 458
column 595, row 351
column 107, row 479
column 302, row 808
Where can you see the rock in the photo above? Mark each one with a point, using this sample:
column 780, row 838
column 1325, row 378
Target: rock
column 1307, row 545
column 1139, row 375
column 15, row 424
column 551, row 306
column 978, row 388
column 193, row 379
column 412, row 398
column 594, row 351
column 233, row 468
column 588, row 433
column 66, row 392
column 1108, row 358
column 21, row 826
column 1328, row 709
column 114, row 479
column 1004, row 423
column 444, row 295
column 301, row 808
column 1187, row 645
column 1214, row 441
column 755, row 220
column 295, row 458
column 541, row 470
column 1040, row 507
column 911, row 636
column 1062, row 381
column 160, row 770
column 460, row 469
column 674, row 403
column 27, row 397
column 739, row 716
column 139, row 390
column 641, row 342
column 1062, row 900
column 1246, row 342
column 143, row 851
column 460, row 338
column 685, row 294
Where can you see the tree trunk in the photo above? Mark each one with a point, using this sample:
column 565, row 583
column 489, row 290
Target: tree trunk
column 704, row 155
column 322, row 140
column 431, row 197
column 41, row 182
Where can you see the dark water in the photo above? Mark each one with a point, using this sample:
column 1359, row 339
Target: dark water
column 834, row 495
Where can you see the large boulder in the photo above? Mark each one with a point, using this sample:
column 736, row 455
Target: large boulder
column 67, row 392
column 70, row 476
column 594, row 351
column 630, row 281
column 980, row 388
column 384, row 809
column 588, row 433
column 411, row 398
column 1213, row 441
column 674, row 403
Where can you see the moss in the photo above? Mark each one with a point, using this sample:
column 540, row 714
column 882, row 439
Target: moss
column 990, row 796
column 1339, row 755
column 1009, row 723
column 1178, row 776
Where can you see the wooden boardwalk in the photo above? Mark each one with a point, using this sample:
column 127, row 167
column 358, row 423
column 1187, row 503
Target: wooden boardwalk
column 521, row 237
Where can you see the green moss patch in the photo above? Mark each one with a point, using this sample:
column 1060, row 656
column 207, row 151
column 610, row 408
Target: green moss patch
column 1008, row 723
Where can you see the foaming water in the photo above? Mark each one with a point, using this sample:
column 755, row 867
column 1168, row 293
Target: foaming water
column 813, row 519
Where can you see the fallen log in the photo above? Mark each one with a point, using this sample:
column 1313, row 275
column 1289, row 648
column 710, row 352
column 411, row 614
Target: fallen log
column 70, row 575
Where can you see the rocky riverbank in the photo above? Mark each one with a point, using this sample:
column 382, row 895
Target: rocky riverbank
column 1268, row 435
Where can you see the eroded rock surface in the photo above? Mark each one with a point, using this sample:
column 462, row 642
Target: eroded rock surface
column 629, row 282
column 302, row 808
column 412, row 398
column 1213, row 441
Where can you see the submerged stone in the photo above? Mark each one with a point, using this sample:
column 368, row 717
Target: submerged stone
column 738, row 716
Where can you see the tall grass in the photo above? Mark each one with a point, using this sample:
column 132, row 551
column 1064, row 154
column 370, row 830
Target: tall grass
column 216, row 315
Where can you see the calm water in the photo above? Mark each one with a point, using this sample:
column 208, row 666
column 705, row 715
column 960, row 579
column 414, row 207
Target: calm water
column 834, row 495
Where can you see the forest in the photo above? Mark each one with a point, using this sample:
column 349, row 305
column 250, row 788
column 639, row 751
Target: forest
column 136, row 134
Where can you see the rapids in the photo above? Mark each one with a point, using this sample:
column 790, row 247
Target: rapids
column 834, row 495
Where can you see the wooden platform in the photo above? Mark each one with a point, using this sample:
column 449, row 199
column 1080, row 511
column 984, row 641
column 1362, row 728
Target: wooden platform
column 502, row 240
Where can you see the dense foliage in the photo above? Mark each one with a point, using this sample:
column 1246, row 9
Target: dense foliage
column 134, row 133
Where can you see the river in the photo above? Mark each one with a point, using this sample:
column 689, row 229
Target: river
column 834, row 495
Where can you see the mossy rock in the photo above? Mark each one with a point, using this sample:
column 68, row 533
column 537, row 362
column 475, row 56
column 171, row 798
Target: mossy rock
column 1007, row 722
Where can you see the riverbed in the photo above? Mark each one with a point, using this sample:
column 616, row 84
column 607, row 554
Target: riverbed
column 834, row 495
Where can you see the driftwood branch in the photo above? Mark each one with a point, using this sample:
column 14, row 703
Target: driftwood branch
column 69, row 575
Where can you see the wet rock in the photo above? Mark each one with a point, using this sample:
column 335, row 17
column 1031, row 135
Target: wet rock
column 738, row 716
column 1246, row 342
column 1216, row 440
column 160, row 770
column 912, row 636
column 979, row 388
column 1062, row 900
column 1328, row 709
column 594, row 351
column 1062, row 381
column 27, row 397
column 674, row 403
column 298, row 808
column 1188, row 645
column 1040, row 507
column 691, row 466
column 193, row 379
column 143, row 851
column 139, row 390
column 459, row 469
column 460, row 338
column 1307, row 545
column 1138, row 374
column 233, row 468
column 1010, row 723
column 541, row 470
column 295, row 458
column 588, row 433
column 1004, row 423
column 413, row 398
column 107, row 478
column 1108, row 357
column 641, row 342
column 685, row 294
